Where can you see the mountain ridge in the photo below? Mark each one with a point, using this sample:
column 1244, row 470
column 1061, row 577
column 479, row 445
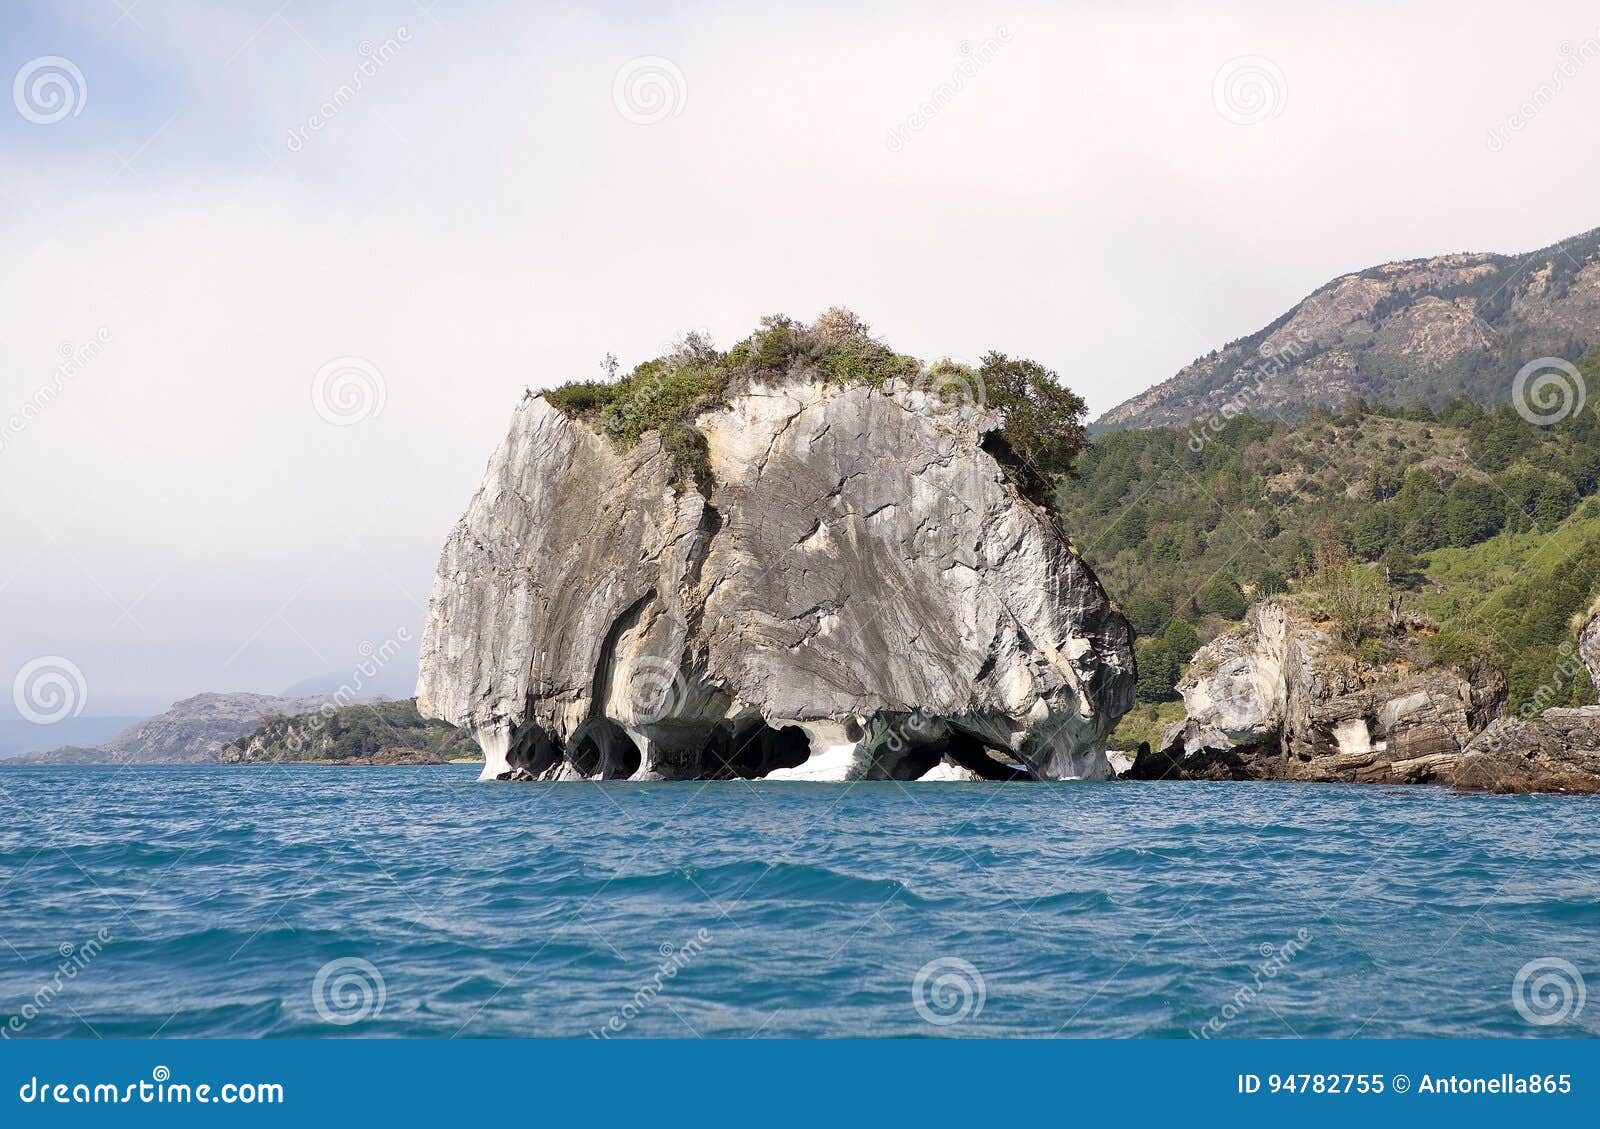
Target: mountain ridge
column 1413, row 330
column 192, row 731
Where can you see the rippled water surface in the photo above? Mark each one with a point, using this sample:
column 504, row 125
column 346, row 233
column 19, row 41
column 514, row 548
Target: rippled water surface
column 206, row 901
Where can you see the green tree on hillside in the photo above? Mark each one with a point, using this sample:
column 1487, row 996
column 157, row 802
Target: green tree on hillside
column 1221, row 596
column 1158, row 671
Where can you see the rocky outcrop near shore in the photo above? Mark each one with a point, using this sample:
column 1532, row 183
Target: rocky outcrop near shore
column 370, row 733
column 855, row 590
column 1276, row 700
column 1554, row 750
column 1557, row 751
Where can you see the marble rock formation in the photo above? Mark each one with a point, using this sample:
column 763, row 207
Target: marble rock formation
column 856, row 591
column 1275, row 700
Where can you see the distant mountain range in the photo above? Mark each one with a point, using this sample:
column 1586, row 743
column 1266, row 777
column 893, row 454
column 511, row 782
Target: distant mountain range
column 192, row 731
column 19, row 736
column 1417, row 331
column 396, row 680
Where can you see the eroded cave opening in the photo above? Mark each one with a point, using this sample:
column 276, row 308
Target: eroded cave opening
column 749, row 750
column 532, row 751
column 897, row 746
column 981, row 758
column 895, row 758
column 603, row 748
column 908, row 746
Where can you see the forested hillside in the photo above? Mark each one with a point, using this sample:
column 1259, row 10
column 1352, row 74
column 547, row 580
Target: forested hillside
column 370, row 733
column 1475, row 518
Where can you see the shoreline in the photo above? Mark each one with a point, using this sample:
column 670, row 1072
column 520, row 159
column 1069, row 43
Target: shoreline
column 1424, row 787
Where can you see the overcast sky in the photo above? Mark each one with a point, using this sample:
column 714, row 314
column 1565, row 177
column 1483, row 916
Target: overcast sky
column 190, row 237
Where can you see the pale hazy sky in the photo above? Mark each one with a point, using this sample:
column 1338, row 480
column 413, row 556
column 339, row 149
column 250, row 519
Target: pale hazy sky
column 495, row 208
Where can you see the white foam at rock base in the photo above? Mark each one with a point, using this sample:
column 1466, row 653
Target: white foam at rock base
column 835, row 762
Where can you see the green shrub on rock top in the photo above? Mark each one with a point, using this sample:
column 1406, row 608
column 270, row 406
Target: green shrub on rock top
column 658, row 394
column 691, row 457
column 1043, row 433
column 581, row 397
column 1039, row 441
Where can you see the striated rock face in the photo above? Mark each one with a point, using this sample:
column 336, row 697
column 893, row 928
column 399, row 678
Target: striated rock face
column 1273, row 701
column 861, row 594
column 1238, row 684
column 1589, row 648
column 1559, row 751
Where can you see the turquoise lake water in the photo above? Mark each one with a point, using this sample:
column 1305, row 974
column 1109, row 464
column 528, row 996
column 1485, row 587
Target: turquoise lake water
column 413, row 901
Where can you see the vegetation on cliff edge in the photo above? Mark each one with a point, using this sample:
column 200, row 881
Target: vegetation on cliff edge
column 1038, row 443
